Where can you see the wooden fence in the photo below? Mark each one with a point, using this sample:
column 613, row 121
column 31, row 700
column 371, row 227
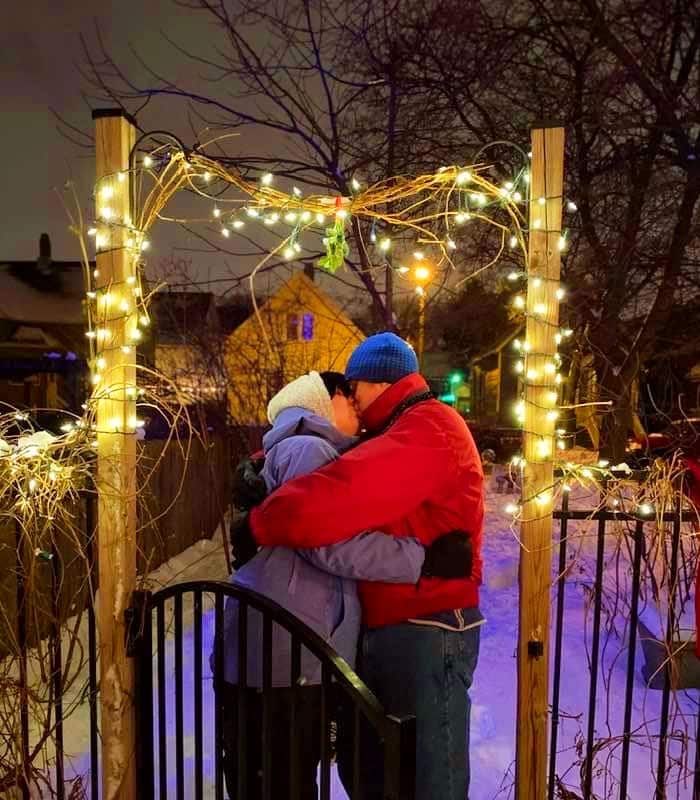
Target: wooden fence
column 183, row 498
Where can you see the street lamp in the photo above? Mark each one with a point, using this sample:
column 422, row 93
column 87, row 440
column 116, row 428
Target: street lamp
column 421, row 275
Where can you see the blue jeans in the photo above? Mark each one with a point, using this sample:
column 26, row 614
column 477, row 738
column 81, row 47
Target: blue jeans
column 425, row 671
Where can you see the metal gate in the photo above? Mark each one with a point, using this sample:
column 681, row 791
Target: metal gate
column 181, row 714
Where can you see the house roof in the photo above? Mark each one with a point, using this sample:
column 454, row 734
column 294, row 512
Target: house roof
column 178, row 313
column 235, row 312
column 30, row 295
column 301, row 282
column 503, row 341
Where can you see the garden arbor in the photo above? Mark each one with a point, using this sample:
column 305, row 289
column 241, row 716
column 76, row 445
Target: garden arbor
column 119, row 312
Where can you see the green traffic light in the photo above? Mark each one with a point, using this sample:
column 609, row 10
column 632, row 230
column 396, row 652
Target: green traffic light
column 456, row 377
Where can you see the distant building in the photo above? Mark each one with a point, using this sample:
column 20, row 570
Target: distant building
column 43, row 348
column 304, row 329
column 448, row 380
column 494, row 382
column 186, row 343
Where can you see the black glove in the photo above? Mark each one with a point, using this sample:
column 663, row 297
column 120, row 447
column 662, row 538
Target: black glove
column 450, row 556
column 249, row 489
column 243, row 544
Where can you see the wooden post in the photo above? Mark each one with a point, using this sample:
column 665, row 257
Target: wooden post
column 114, row 376
column 546, row 185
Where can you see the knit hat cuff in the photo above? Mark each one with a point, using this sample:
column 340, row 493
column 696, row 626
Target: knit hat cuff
column 306, row 391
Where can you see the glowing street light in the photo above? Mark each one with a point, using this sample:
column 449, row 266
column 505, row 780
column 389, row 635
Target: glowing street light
column 421, row 275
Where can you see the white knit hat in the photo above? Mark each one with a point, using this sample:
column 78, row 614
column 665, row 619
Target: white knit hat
column 309, row 392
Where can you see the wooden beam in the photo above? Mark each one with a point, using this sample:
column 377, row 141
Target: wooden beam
column 546, row 186
column 115, row 392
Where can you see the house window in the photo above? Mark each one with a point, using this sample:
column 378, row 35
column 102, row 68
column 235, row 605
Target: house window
column 292, row 327
column 307, row 329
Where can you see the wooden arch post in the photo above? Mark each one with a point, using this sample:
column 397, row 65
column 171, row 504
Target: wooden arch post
column 546, row 186
column 114, row 375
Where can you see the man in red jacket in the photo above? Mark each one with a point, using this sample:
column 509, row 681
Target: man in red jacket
column 419, row 475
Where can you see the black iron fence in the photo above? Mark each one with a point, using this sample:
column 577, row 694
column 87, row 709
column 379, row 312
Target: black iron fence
column 663, row 657
column 48, row 645
column 182, row 723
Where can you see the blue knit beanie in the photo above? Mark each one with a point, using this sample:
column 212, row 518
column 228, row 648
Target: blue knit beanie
column 382, row 358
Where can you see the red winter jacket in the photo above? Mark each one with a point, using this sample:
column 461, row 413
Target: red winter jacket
column 421, row 478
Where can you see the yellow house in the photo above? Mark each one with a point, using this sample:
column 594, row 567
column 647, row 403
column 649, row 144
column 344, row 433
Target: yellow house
column 306, row 330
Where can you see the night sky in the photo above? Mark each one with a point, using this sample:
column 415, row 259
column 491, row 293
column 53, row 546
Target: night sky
column 40, row 54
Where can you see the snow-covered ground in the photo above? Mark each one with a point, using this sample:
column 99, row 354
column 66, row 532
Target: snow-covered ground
column 494, row 690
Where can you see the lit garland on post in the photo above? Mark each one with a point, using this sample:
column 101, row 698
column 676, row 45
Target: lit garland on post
column 116, row 311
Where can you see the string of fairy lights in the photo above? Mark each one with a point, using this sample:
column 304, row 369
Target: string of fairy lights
column 432, row 209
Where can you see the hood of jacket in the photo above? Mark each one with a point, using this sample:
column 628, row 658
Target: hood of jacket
column 302, row 422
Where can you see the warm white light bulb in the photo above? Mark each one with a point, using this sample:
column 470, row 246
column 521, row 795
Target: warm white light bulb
column 267, row 178
column 544, row 448
column 147, row 161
